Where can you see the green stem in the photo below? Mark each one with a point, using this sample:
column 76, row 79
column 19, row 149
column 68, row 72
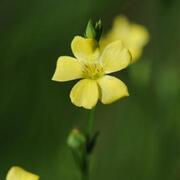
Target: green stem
column 86, row 160
column 85, row 170
column 91, row 122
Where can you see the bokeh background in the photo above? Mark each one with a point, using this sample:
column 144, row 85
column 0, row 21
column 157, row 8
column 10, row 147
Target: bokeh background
column 140, row 135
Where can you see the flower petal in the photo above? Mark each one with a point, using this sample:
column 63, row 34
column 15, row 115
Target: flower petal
column 139, row 35
column 115, row 57
column 111, row 89
column 134, row 36
column 85, row 93
column 138, row 38
column 17, row 173
column 85, row 49
column 67, row 69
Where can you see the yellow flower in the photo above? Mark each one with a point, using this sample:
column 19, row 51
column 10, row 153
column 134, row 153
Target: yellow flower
column 93, row 66
column 17, row 173
column 133, row 36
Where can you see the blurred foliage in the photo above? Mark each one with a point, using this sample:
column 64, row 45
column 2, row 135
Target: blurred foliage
column 140, row 135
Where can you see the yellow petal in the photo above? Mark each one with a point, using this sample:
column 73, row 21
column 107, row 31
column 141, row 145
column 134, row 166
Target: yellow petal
column 134, row 36
column 136, row 53
column 115, row 57
column 85, row 93
column 121, row 23
column 111, row 89
column 139, row 35
column 67, row 69
column 138, row 38
column 17, row 173
column 85, row 49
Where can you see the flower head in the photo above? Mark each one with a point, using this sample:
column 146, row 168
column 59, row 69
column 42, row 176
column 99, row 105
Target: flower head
column 93, row 66
column 17, row 173
column 133, row 36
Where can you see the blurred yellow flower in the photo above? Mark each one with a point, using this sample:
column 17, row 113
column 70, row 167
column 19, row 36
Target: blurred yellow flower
column 17, row 173
column 133, row 36
column 93, row 66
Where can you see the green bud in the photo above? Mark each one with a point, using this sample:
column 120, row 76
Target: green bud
column 94, row 31
column 99, row 29
column 76, row 140
column 90, row 30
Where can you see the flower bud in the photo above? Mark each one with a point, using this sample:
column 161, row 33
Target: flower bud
column 76, row 140
column 93, row 31
column 90, row 30
column 98, row 28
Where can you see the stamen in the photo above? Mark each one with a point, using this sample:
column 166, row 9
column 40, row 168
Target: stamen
column 93, row 71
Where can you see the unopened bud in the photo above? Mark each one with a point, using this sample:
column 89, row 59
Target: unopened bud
column 94, row 31
column 99, row 29
column 90, row 30
column 76, row 139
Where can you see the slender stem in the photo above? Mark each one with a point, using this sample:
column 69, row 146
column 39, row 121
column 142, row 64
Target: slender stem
column 85, row 171
column 91, row 122
column 86, row 160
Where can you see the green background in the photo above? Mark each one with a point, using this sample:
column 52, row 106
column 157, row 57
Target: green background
column 140, row 135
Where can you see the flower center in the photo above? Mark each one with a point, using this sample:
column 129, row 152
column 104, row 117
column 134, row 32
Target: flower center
column 93, row 71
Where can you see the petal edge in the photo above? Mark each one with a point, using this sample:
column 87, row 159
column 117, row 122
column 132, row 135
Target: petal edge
column 67, row 69
column 17, row 173
column 85, row 49
column 85, row 93
column 115, row 57
column 112, row 89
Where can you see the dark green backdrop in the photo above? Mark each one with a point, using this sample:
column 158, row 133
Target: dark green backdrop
column 140, row 135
